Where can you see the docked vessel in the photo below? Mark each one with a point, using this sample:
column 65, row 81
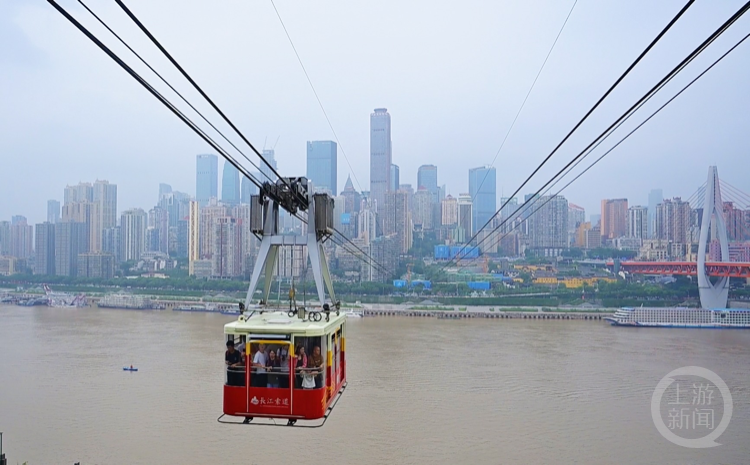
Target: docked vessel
column 682, row 317
column 128, row 302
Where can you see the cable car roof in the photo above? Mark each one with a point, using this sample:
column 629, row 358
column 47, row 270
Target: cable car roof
column 282, row 323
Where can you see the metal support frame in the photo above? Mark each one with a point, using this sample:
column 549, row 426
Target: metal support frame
column 271, row 240
column 713, row 295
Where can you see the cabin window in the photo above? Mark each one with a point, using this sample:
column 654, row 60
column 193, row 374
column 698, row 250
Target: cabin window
column 310, row 362
column 269, row 365
column 234, row 361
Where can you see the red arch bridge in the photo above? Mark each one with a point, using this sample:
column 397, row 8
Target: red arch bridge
column 733, row 270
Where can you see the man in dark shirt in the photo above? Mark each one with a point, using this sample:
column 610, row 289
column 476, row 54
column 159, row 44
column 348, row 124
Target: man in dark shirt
column 233, row 360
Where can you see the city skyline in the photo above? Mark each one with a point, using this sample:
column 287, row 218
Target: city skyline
column 448, row 118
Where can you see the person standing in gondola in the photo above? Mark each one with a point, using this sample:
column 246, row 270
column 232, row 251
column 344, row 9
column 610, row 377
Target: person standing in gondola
column 300, row 366
column 258, row 377
column 274, row 368
column 315, row 363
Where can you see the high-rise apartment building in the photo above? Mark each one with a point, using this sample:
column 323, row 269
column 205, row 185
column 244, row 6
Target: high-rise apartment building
column 226, row 260
column 71, row 238
column 112, row 243
column 208, row 216
column 322, row 163
column 44, row 264
column 380, row 156
column 734, row 219
column 83, row 192
column 614, row 222
column 206, row 178
column 87, row 213
column 638, row 222
column 422, row 212
column 133, row 225
column 576, row 216
column 105, row 194
column 465, row 218
column 449, row 211
column 673, row 220
column 397, row 219
column 21, row 238
column 483, row 191
column 230, row 185
column 53, row 211
column 655, row 197
column 96, row 265
column 4, row 238
column 548, row 227
column 193, row 236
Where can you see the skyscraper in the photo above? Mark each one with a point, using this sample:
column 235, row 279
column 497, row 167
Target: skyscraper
column 83, row 192
column 427, row 178
column 395, row 178
column 105, row 195
column 397, row 219
column 45, row 249
column 4, row 238
column 270, row 156
column 248, row 189
column 655, row 197
column 193, row 236
column 53, row 211
column 352, row 198
column 483, row 189
column 226, row 261
column 230, row 185
column 673, row 220
column 465, row 218
column 133, row 224
column 422, row 212
column 206, row 178
column 71, row 239
column 614, row 222
column 21, row 238
column 638, row 222
column 548, row 227
column 380, row 155
column 322, row 165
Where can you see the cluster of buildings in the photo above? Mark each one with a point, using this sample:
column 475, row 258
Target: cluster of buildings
column 85, row 236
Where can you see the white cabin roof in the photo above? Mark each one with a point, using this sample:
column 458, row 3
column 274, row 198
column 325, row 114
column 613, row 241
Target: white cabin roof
column 281, row 323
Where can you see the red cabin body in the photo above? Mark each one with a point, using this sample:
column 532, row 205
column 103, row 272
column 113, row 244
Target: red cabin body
column 284, row 367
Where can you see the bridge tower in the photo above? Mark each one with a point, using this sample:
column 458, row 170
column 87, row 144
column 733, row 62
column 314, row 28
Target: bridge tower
column 713, row 295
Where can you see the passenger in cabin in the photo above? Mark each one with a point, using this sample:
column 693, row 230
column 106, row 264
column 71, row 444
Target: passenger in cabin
column 232, row 357
column 274, row 368
column 284, row 367
column 259, row 377
column 300, row 366
column 315, row 363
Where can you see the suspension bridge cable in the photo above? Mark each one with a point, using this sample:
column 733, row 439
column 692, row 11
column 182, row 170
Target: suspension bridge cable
column 549, row 198
column 596, row 105
column 520, row 109
column 123, row 42
column 645, row 97
column 320, row 103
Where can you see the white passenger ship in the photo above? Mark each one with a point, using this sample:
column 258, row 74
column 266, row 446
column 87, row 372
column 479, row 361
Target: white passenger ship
column 682, row 317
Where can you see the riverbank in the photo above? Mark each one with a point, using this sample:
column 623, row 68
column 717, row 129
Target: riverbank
column 459, row 312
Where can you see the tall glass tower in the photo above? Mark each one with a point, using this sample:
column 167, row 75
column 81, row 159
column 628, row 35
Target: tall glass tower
column 483, row 189
column 427, row 178
column 380, row 155
column 206, row 178
column 230, row 185
column 321, row 165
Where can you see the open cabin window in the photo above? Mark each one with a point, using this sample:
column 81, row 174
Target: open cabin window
column 234, row 361
column 310, row 362
column 269, row 364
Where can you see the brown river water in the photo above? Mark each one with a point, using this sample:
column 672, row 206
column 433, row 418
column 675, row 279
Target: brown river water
column 421, row 391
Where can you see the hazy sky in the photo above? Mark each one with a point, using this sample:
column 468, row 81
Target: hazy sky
column 452, row 75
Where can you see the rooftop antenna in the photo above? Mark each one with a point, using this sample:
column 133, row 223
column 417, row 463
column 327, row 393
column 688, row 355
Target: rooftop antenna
column 264, row 143
column 274, row 144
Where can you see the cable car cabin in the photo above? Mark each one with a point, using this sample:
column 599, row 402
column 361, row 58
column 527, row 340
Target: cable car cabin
column 284, row 365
